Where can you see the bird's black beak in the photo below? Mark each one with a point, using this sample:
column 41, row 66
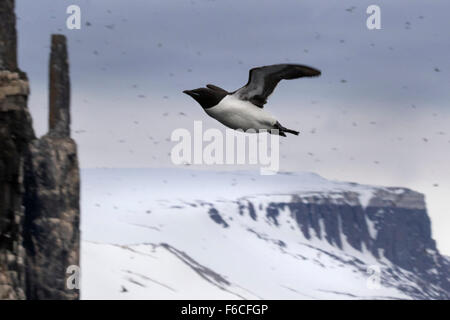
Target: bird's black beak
column 191, row 93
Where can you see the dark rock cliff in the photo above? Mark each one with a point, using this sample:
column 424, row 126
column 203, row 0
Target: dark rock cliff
column 39, row 179
column 393, row 225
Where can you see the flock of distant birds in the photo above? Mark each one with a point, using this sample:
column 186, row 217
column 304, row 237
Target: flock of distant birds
column 112, row 27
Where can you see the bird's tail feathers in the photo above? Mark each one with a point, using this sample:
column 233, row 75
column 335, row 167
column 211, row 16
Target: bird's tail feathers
column 291, row 131
column 282, row 130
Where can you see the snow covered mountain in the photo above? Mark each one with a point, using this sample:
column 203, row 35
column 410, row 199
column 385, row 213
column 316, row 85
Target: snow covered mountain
column 186, row 234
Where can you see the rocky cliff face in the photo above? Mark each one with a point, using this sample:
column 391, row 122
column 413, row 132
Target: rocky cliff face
column 39, row 179
column 392, row 225
column 15, row 134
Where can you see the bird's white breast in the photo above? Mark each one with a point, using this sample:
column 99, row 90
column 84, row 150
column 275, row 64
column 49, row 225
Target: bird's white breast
column 239, row 114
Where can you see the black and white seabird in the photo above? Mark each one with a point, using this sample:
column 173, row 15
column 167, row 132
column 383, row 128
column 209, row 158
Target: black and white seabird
column 243, row 108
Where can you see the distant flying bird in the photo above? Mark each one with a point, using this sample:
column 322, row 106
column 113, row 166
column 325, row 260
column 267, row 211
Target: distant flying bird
column 243, row 108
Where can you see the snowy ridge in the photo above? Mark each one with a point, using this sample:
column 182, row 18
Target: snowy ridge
column 188, row 234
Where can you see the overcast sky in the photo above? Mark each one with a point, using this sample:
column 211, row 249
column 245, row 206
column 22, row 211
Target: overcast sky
column 379, row 114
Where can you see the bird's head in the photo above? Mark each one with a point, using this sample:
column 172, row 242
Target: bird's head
column 206, row 97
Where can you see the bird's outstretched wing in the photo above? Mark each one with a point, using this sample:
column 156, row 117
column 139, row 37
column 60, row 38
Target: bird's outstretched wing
column 263, row 80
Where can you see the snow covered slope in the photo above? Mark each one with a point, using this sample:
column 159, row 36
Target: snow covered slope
column 185, row 234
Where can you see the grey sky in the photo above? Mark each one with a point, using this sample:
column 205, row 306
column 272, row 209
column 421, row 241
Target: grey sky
column 387, row 124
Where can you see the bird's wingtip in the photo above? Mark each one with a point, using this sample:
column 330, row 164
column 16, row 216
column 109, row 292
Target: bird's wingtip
column 313, row 72
column 308, row 71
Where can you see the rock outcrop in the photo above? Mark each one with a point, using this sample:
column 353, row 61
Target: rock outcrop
column 52, row 192
column 393, row 225
column 15, row 134
column 39, row 179
column 59, row 88
column 8, row 36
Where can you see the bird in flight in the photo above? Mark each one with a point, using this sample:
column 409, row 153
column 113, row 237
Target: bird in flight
column 244, row 108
